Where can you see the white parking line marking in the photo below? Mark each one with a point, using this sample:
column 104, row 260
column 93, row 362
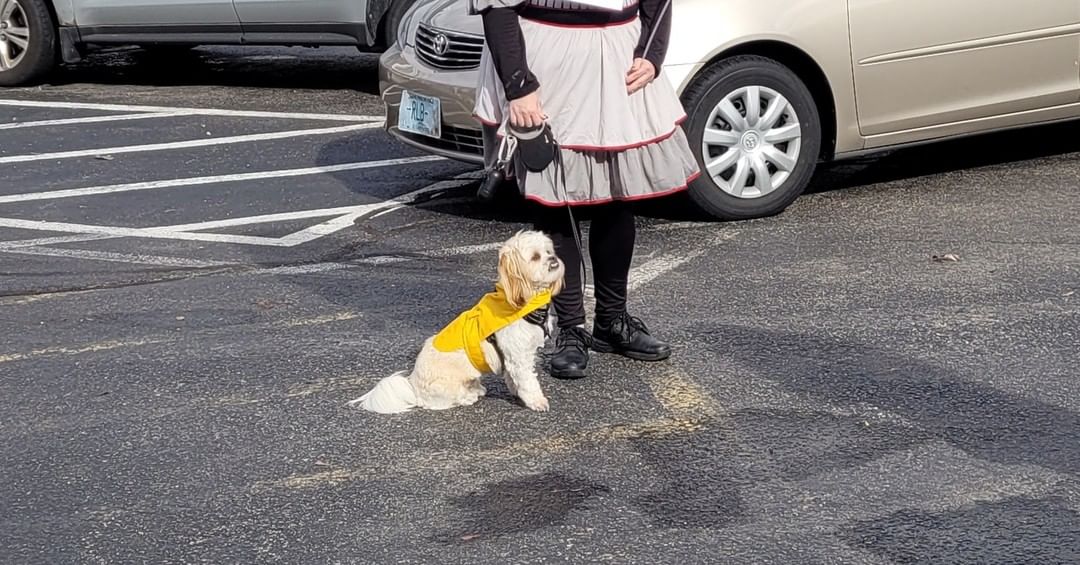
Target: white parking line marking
column 313, row 268
column 92, row 120
column 465, row 249
column 191, row 232
column 348, row 219
column 153, row 233
column 192, row 181
column 652, row 269
column 41, row 241
column 199, row 111
column 115, row 257
column 186, row 144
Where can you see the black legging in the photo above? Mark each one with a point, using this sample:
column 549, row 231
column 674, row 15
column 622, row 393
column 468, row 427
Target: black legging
column 611, row 248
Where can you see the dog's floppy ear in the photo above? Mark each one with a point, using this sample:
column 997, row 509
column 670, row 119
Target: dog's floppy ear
column 511, row 278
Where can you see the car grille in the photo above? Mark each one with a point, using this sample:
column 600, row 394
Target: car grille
column 448, row 50
column 459, row 140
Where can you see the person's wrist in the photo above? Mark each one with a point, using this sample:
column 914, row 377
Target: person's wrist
column 519, row 93
column 655, row 65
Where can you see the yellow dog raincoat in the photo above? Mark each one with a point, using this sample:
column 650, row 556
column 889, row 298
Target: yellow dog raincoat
column 479, row 323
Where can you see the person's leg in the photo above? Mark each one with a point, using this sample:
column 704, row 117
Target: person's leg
column 571, row 357
column 611, row 245
column 570, row 303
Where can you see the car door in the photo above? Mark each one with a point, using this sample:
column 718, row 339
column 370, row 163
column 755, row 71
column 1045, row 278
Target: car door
column 178, row 20
column 319, row 22
column 926, row 63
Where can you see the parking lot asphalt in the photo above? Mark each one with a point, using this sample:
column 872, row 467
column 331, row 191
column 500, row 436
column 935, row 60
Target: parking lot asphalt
column 192, row 289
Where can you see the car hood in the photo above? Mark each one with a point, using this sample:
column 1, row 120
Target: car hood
column 453, row 15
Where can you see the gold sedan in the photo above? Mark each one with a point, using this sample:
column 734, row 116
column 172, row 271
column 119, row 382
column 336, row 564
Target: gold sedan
column 773, row 87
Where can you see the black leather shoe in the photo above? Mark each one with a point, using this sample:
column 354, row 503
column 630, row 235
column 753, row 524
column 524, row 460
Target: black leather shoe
column 628, row 336
column 571, row 356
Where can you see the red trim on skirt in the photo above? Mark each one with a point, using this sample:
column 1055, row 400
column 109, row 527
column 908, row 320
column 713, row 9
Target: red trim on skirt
column 668, row 192
column 603, row 148
column 485, row 122
column 616, row 148
column 580, row 26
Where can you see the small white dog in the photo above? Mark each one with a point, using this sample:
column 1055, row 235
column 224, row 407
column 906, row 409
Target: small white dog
column 500, row 335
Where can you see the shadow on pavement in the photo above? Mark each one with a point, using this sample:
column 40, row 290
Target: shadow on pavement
column 327, row 68
column 995, row 149
column 981, row 420
column 978, row 151
column 1014, row 530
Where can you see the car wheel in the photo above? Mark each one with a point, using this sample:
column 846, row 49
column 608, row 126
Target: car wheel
column 27, row 41
column 756, row 131
column 393, row 20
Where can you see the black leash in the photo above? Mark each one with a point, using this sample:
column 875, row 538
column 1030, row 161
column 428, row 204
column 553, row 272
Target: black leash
column 560, row 175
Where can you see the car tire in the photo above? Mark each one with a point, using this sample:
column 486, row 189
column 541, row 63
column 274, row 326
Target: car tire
column 392, row 21
column 731, row 190
column 38, row 56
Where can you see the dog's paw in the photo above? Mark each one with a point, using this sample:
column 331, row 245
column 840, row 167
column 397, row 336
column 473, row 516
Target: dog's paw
column 537, row 403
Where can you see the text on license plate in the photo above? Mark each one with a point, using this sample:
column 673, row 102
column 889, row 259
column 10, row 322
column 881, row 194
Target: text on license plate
column 420, row 114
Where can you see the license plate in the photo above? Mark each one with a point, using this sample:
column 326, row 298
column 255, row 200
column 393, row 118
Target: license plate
column 420, row 114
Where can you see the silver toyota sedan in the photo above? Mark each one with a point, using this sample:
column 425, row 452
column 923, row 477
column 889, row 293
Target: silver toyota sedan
column 37, row 34
column 774, row 87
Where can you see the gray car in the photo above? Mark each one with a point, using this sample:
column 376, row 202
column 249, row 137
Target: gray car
column 36, row 34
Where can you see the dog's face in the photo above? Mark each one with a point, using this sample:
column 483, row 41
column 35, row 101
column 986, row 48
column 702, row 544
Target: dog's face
column 528, row 264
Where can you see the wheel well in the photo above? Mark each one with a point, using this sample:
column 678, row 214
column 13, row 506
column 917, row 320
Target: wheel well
column 52, row 13
column 808, row 70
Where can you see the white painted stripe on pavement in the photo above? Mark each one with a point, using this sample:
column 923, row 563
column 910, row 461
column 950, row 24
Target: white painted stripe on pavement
column 155, row 233
column 185, row 144
column 464, row 249
column 215, row 179
column 17, row 243
column 312, row 268
column 92, row 120
column 200, row 111
column 348, row 219
column 188, row 232
column 115, row 257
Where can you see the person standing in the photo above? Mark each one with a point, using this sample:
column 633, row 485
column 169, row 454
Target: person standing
column 590, row 74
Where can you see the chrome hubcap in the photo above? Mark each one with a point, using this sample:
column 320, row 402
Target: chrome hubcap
column 752, row 142
column 14, row 34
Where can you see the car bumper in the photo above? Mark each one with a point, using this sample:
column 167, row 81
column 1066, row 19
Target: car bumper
column 462, row 135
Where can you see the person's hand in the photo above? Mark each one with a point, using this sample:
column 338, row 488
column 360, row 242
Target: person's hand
column 525, row 112
column 641, row 73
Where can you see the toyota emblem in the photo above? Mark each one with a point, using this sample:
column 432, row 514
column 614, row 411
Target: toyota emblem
column 441, row 44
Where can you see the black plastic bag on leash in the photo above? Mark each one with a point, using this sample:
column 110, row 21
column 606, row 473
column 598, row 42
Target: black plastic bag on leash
column 536, row 147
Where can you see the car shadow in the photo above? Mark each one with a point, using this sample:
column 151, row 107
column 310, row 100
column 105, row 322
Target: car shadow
column 999, row 148
column 324, row 68
column 996, row 149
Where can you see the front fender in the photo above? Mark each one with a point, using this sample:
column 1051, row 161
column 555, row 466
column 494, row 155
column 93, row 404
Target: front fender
column 376, row 9
column 65, row 12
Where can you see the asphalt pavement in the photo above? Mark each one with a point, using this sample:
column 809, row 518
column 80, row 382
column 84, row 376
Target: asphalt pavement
column 204, row 256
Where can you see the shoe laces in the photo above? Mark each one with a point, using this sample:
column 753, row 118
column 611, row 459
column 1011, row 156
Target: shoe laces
column 628, row 325
column 573, row 336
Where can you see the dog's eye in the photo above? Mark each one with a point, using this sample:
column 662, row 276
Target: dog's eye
column 536, row 257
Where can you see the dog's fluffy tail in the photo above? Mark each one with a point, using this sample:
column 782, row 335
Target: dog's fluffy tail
column 391, row 395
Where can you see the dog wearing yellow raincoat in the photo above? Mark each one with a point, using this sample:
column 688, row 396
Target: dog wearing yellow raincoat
column 501, row 334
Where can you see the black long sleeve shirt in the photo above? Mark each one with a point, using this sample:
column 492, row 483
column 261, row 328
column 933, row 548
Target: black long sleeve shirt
column 503, row 35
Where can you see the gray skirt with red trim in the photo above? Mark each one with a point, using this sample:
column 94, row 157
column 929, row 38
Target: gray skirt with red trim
column 615, row 146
